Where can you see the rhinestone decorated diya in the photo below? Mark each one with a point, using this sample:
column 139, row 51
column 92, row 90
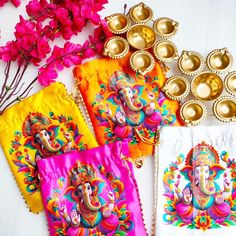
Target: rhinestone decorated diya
column 230, row 83
column 220, row 60
column 207, row 86
column 193, row 112
column 140, row 13
column 141, row 36
column 165, row 27
column 190, row 63
column 142, row 62
column 118, row 23
column 176, row 88
column 165, row 51
column 116, row 47
column 224, row 109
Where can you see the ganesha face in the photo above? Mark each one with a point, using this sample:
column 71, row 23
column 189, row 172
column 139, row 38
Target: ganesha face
column 43, row 138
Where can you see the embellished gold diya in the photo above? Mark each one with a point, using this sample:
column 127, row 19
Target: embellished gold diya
column 141, row 36
column 193, row 112
column 165, row 27
column 190, row 63
column 116, row 47
column 142, row 62
column 118, row 23
column 165, row 51
column 207, row 86
column 140, row 13
column 220, row 60
column 224, row 109
column 176, row 88
column 230, row 83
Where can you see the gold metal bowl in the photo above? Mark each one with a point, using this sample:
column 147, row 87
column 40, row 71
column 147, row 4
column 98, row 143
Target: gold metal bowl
column 165, row 27
column 140, row 13
column 207, row 86
column 193, row 112
column 224, row 109
column 190, row 63
column 142, row 62
column 118, row 23
column 176, row 87
column 165, row 51
column 116, row 47
column 230, row 83
column 220, row 60
column 141, row 37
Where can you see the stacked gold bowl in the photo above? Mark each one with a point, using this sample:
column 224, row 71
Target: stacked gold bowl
column 131, row 30
column 149, row 42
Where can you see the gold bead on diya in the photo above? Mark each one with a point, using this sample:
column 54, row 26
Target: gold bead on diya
column 140, row 13
column 177, row 87
column 118, row 23
column 116, row 47
column 230, row 83
column 141, row 36
column 165, row 27
column 142, row 62
column 193, row 112
column 207, row 86
column 165, row 51
column 220, row 60
column 224, row 109
column 190, row 63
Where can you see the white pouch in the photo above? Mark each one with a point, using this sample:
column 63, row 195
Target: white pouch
column 197, row 181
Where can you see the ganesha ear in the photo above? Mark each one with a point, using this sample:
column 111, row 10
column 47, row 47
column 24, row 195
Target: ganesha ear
column 187, row 172
column 98, row 184
column 216, row 170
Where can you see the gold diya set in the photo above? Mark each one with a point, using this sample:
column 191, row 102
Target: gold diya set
column 205, row 86
column 152, row 42
column 132, row 31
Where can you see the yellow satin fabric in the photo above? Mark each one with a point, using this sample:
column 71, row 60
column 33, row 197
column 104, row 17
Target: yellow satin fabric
column 94, row 82
column 63, row 122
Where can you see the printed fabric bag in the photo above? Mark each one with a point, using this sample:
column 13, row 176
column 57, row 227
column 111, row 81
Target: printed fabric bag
column 123, row 104
column 91, row 192
column 43, row 125
column 197, row 181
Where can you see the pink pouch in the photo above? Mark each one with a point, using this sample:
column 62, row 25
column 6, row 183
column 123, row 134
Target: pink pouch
column 91, row 193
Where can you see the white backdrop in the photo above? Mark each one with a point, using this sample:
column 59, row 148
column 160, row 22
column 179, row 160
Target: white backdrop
column 204, row 26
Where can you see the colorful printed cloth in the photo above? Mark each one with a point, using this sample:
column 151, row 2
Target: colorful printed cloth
column 92, row 192
column 197, row 181
column 125, row 105
column 43, row 125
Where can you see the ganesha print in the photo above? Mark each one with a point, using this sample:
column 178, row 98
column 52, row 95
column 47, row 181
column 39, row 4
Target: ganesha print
column 41, row 137
column 195, row 194
column 89, row 205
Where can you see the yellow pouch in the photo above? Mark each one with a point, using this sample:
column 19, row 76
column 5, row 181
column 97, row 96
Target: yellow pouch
column 46, row 124
column 125, row 105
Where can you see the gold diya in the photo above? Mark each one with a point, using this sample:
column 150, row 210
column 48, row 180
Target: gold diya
column 177, row 87
column 165, row 51
column 116, row 47
column 140, row 13
column 118, row 23
column 190, row 63
column 193, row 112
column 142, row 62
column 141, row 37
column 207, row 86
column 220, row 60
column 165, row 27
column 230, row 83
column 224, row 109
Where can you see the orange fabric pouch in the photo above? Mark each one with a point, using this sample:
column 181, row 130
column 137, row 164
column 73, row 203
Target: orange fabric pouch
column 125, row 105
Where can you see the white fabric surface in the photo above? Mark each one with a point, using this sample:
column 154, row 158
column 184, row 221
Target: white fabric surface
column 179, row 141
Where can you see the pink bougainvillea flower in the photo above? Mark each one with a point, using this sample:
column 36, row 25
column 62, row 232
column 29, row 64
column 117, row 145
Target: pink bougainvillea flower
column 9, row 52
column 16, row 3
column 47, row 76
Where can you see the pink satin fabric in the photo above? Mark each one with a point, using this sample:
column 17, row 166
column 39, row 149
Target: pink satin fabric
column 91, row 192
